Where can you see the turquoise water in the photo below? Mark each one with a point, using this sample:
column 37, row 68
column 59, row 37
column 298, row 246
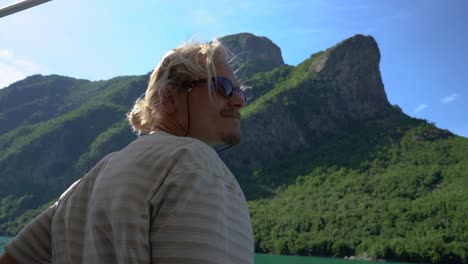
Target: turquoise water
column 3, row 241
column 273, row 259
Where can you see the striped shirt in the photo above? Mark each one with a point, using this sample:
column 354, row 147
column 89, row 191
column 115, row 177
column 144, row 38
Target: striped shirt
column 161, row 199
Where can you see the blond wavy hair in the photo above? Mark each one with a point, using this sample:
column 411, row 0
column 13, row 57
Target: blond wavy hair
column 177, row 69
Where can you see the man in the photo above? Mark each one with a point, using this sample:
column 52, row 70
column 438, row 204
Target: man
column 167, row 197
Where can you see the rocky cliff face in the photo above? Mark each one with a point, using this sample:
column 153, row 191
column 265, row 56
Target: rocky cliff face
column 252, row 54
column 352, row 70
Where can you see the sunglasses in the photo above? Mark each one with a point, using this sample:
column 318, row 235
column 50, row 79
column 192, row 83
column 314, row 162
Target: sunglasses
column 224, row 87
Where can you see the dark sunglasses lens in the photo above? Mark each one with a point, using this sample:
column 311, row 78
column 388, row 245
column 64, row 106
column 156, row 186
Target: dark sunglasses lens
column 225, row 86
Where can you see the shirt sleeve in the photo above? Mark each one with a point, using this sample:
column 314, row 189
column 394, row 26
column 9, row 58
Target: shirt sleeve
column 33, row 243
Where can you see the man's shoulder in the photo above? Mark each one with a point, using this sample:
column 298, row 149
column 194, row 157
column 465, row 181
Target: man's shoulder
column 192, row 152
column 168, row 142
column 186, row 151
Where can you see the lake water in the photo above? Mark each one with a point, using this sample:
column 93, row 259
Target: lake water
column 274, row 259
column 3, row 241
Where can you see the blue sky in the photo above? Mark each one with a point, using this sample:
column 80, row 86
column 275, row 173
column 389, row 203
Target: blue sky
column 423, row 43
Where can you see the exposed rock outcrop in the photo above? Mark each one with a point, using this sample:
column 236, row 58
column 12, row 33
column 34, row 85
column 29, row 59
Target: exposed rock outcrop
column 253, row 54
column 352, row 69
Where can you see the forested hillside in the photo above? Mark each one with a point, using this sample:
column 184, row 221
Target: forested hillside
column 407, row 202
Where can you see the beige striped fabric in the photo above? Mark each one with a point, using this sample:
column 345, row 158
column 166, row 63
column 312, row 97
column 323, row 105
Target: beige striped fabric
column 162, row 199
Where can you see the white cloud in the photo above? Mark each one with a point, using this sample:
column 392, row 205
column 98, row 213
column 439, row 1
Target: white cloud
column 6, row 54
column 420, row 108
column 449, row 98
column 14, row 68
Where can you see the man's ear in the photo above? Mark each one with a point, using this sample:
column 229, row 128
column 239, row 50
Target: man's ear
column 169, row 101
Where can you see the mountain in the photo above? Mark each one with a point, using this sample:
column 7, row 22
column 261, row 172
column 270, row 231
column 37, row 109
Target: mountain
column 37, row 99
column 328, row 94
column 328, row 165
column 252, row 54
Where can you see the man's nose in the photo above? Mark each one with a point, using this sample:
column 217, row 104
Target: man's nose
column 237, row 99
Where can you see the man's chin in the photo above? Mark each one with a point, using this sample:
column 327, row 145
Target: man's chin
column 232, row 139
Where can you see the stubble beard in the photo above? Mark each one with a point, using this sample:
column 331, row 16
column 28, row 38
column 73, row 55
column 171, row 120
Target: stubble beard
column 234, row 137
